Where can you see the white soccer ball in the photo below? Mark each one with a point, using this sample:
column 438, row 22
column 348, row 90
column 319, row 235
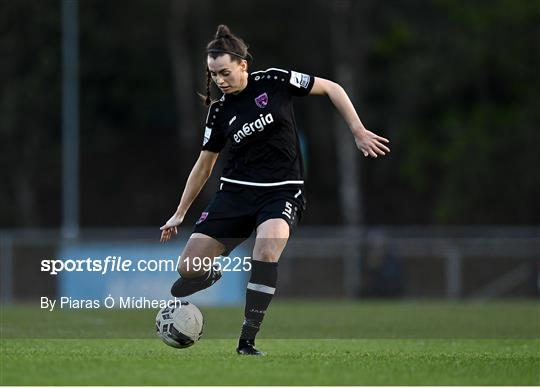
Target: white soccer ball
column 180, row 324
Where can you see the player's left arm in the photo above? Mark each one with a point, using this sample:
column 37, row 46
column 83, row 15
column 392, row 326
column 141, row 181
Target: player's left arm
column 366, row 141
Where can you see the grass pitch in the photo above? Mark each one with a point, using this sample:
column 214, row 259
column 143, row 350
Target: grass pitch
column 384, row 343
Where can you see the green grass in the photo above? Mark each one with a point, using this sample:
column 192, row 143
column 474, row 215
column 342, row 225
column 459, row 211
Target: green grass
column 373, row 343
column 290, row 362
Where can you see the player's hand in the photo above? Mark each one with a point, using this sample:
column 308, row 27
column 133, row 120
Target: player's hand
column 169, row 229
column 371, row 144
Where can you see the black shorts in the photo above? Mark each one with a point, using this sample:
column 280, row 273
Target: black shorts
column 237, row 210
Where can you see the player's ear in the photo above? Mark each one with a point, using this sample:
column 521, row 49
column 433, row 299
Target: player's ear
column 243, row 65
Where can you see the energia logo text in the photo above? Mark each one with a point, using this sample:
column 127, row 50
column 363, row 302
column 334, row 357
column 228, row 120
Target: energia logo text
column 255, row 126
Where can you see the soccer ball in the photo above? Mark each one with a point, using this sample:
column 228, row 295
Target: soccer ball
column 180, row 324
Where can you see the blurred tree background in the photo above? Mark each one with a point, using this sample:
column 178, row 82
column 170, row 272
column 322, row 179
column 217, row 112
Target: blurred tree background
column 453, row 84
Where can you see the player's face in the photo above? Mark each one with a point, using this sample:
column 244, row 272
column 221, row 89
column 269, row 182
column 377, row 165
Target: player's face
column 228, row 75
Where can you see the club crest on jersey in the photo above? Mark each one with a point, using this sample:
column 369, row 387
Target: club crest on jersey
column 249, row 129
column 203, row 217
column 262, row 100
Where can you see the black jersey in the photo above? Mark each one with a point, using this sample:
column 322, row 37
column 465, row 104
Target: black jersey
column 260, row 126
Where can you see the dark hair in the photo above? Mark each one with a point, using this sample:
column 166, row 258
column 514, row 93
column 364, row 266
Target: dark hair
column 224, row 42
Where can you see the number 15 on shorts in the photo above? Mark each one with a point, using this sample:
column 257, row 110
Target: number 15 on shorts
column 288, row 211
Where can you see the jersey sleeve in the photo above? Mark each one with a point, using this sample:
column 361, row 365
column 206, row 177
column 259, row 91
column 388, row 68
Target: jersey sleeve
column 294, row 83
column 214, row 139
column 299, row 84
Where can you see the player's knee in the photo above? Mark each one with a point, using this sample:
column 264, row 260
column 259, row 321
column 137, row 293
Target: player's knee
column 267, row 253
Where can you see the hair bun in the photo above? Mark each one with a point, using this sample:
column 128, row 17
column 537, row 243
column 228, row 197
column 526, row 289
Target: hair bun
column 223, row 32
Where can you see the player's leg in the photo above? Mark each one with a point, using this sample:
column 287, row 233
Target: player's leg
column 225, row 223
column 272, row 236
column 198, row 247
column 196, row 265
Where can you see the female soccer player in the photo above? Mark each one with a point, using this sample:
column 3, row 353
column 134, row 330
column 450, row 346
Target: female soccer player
column 262, row 183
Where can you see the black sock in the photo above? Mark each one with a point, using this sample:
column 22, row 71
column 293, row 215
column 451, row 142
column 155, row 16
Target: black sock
column 259, row 293
column 178, row 283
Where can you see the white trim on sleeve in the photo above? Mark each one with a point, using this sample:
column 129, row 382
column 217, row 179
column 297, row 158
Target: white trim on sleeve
column 272, row 68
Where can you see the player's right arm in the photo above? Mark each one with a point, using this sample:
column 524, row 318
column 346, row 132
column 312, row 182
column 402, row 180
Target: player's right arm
column 213, row 142
column 200, row 173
